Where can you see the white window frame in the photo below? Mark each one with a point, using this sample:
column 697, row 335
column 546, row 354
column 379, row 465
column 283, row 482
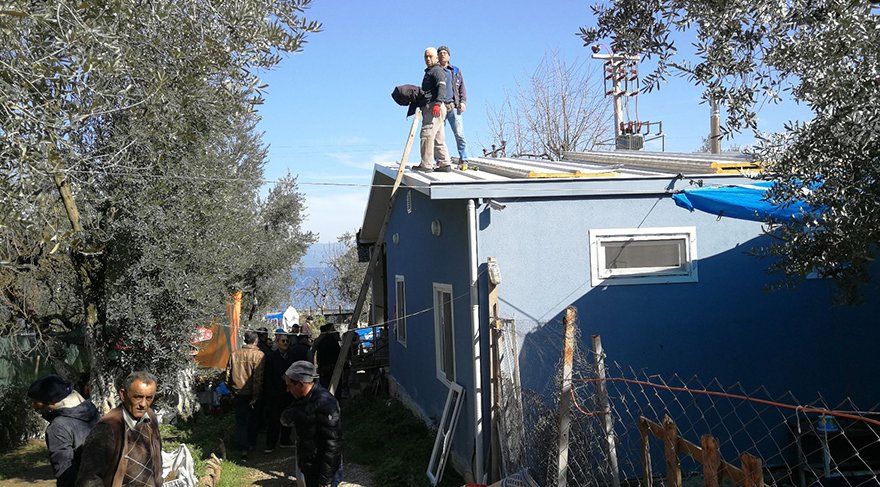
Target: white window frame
column 600, row 275
column 400, row 310
column 438, row 332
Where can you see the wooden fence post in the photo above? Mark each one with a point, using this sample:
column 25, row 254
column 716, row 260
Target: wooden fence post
column 711, row 460
column 753, row 473
column 646, row 452
column 605, row 408
column 670, row 452
column 565, row 395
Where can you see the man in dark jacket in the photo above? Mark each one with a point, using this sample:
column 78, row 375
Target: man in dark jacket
column 124, row 448
column 326, row 351
column 432, row 138
column 315, row 414
column 456, row 101
column 275, row 392
column 71, row 419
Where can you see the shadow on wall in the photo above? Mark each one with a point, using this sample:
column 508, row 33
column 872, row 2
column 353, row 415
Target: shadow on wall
column 728, row 327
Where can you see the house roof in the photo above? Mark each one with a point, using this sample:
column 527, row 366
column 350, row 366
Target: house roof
column 578, row 174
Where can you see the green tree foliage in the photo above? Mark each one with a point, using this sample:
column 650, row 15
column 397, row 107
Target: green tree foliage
column 130, row 170
column 347, row 272
column 824, row 54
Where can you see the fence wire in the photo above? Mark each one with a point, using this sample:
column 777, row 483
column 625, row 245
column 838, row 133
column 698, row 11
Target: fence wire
column 798, row 444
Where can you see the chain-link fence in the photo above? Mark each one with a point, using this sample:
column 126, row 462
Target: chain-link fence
column 629, row 427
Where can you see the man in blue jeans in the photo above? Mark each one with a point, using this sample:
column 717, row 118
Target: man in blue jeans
column 456, row 101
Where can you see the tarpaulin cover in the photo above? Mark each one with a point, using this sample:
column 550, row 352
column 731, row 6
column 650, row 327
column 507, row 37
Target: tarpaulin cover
column 742, row 201
column 215, row 352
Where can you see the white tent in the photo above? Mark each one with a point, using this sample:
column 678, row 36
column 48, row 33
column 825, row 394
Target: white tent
column 291, row 317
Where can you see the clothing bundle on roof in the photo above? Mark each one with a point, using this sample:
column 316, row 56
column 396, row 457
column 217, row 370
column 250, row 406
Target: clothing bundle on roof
column 410, row 95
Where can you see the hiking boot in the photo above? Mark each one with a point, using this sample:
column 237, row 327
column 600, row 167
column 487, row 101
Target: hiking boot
column 423, row 169
column 444, row 168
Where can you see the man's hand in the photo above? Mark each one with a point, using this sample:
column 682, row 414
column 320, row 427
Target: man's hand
column 435, row 111
column 461, row 107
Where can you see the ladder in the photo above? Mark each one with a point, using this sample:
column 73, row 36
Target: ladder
column 374, row 259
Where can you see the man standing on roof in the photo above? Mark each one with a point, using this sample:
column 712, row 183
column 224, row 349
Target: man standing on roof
column 455, row 100
column 432, row 138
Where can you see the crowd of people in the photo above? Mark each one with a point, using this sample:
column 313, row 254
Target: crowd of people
column 278, row 384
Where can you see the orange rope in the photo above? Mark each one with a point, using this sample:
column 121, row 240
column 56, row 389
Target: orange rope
column 731, row 396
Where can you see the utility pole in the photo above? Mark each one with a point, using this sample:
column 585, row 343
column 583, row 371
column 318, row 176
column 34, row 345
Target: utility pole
column 714, row 127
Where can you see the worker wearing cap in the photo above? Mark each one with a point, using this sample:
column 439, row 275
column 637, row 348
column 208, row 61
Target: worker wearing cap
column 456, row 101
column 71, row 419
column 314, row 413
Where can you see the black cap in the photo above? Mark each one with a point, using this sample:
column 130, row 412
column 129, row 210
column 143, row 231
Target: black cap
column 443, row 48
column 50, row 389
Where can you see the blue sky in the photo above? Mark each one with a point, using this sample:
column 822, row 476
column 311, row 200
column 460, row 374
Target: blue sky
column 328, row 115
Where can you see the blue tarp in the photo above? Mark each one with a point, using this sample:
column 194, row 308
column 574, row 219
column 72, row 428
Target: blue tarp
column 742, row 201
column 274, row 316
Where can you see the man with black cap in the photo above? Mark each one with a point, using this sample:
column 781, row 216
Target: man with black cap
column 456, row 101
column 70, row 418
column 314, row 413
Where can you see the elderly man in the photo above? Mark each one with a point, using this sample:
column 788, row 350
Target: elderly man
column 124, row 448
column 314, row 413
column 70, row 418
column 245, row 371
column 432, row 138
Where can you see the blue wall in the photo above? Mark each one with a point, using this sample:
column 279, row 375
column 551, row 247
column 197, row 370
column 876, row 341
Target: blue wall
column 725, row 326
column 424, row 259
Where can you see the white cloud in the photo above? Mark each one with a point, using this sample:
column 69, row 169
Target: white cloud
column 332, row 215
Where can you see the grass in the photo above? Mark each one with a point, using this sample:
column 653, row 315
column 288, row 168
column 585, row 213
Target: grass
column 202, row 436
column 15, row 462
column 383, row 434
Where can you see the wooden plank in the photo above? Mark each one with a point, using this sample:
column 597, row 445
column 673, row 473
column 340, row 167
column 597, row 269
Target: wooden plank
column 605, row 407
column 753, row 473
column 565, row 396
column 374, row 256
column 496, row 450
column 670, row 452
column 711, row 461
column 644, row 431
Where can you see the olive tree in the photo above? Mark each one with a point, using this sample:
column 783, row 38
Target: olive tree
column 130, row 171
column 823, row 54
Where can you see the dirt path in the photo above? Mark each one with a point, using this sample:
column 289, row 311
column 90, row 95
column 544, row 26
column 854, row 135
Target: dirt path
column 274, row 469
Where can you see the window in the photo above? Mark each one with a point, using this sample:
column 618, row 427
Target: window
column 400, row 308
column 643, row 256
column 444, row 333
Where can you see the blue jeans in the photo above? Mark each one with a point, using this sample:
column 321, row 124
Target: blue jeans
column 456, row 122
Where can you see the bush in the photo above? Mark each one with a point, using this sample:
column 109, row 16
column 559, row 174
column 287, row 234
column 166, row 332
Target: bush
column 18, row 422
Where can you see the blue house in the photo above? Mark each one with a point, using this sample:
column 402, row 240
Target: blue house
column 669, row 290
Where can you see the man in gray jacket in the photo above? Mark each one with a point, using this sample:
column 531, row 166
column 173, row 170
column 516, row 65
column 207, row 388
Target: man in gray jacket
column 70, row 418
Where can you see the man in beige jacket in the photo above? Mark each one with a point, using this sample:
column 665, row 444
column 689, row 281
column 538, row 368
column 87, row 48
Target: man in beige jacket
column 245, row 372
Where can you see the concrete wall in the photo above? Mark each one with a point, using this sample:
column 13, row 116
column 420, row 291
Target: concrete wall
column 424, row 259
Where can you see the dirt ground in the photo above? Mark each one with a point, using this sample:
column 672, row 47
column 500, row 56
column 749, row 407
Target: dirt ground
column 264, row 469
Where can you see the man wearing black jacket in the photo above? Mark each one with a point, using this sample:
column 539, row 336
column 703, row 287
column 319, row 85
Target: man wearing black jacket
column 432, row 138
column 315, row 414
column 71, row 419
column 275, row 393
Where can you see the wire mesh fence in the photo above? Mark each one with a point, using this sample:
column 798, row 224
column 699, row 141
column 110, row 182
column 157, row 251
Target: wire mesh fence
column 629, row 427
